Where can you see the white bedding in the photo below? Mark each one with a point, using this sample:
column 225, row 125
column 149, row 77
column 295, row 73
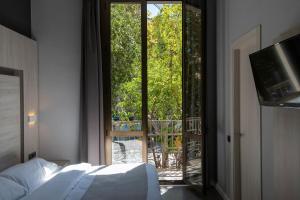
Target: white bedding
column 72, row 182
column 32, row 174
column 11, row 190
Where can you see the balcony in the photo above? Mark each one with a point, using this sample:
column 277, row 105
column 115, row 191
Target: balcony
column 164, row 145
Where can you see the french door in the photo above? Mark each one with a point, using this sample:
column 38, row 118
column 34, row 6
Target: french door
column 194, row 93
column 126, row 105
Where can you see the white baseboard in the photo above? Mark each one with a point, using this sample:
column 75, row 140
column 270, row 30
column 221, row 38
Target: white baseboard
column 221, row 192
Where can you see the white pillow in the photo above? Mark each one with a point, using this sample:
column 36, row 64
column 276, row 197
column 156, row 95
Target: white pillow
column 48, row 167
column 10, row 190
column 31, row 174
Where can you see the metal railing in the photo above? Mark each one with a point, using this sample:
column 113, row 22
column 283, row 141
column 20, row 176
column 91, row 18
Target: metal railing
column 164, row 141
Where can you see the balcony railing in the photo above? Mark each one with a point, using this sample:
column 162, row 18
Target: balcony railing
column 164, row 143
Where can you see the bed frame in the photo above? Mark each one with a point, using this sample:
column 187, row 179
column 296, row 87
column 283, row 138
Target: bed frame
column 11, row 117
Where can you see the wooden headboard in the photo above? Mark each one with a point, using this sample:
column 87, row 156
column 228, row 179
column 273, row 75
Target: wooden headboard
column 11, row 117
column 18, row 52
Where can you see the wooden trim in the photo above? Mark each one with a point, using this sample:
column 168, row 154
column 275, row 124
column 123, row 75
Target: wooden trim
column 18, row 73
column 126, row 133
column 108, row 150
column 145, row 148
column 22, row 122
column 106, row 61
column 236, row 143
column 234, row 108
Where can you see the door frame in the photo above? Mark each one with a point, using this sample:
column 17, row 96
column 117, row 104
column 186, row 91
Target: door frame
column 105, row 32
column 105, row 8
column 234, row 110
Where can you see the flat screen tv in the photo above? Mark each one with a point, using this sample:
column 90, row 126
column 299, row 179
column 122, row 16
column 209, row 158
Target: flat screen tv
column 276, row 71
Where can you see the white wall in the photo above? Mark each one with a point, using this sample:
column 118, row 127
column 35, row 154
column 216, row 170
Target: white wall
column 56, row 25
column 236, row 17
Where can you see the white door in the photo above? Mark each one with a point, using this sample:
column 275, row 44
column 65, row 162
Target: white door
column 248, row 111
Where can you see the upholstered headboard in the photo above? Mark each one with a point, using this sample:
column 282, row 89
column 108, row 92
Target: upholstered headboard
column 11, row 118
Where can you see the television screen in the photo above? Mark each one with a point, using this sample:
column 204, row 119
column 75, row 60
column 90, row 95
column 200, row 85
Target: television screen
column 276, row 71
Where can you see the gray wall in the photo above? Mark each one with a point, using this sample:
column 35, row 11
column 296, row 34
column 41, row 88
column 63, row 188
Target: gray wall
column 236, row 17
column 56, row 25
column 15, row 14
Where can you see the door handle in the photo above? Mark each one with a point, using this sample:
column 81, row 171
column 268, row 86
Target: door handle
column 242, row 134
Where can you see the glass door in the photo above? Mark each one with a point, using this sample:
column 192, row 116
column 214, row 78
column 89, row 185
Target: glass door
column 193, row 93
column 132, row 120
column 126, row 124
column 164, row 69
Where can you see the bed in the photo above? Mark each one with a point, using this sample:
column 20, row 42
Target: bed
column 39, row 179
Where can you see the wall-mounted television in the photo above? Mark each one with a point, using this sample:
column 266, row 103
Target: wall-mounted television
column 276, row 71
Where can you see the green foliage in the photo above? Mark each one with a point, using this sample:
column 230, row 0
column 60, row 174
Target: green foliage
column 164, row 62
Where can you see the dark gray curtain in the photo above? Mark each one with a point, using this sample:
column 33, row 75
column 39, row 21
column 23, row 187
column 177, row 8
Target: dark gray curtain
column 92, row 132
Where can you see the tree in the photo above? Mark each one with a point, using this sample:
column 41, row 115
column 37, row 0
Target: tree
column 164, row 62
column 126, row 60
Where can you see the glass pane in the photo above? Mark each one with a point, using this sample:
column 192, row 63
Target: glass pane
column 126, row 150
column 126, row 67
column 193, row 95
column 194, row 152
column 164, row 42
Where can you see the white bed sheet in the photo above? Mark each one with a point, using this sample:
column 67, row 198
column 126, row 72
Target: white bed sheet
column 72, row 182
column 152, row 181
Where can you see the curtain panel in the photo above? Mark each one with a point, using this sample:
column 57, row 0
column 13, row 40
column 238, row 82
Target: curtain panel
column 91, row 141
